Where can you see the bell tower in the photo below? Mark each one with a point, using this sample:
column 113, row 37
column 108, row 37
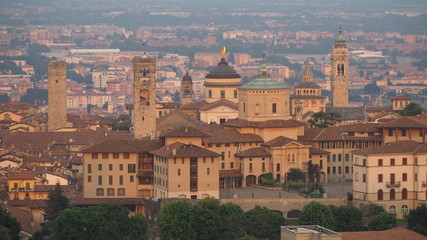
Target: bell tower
column 144, row 97
column 57, row 95
column 186, row 89
column 340, row 64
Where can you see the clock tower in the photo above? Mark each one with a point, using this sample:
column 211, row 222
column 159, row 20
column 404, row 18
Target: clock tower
column 340, row 67
column 144, row 97
column 186, row 89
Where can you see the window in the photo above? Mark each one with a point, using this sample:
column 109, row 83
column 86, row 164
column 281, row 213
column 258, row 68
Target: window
column 421, row 132
column 110, row 180
column 364, row 162
column 94, row 155
column 380, row 178
column 392, row 209
column 274, row 107
column 131, row 168
column 121, row 167
column 222, row 93
column 222, row 165
column 179, row 172
column 99, row 167
column 347, row 169
column 278, row 167
column 334, row 157
column 126, row 155
column 250, row 167
column 405, row 209
column 131, row 178
column 208, row 171
column 222, row 156
column 392, row 178
column 404, row 193
column 235, row 93
column 116, row 155
column 347, row 157
column 403, row 132
column 121, row 180
column 110, row 167
column 89, row 168
column 104, row 155
column 89, row 178
column 364, row 178
column 232, row 165
column 404, row 177
column 210, row 94
column 404, row 161
column 121, row 192
column 99, row 180
column 392, row 194
column 263, row 167
column 390, row 132
column 380, row 195
column 339, row 170
column 339, row 157
column 243, row 107
column 110, row 191
column 99, row 192
column 380, row 162
column 329, row 170
column 334, row 170
column 392, row 162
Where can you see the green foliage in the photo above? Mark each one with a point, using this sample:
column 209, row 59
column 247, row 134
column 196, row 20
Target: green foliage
column 56, row 202
column 109, row 221
column 413, row 109
column 207, row 219
column 417, row 219
column 347, row 218
column 231, row 224
column 176, row 97
column 9, row 65
column 9, row 226
column 176, row 221
column 382, row 221
column 4, row 98
column 125, row 127
column 37, row 49
column 372, row 89
column 267, row 179
column 263, row 223
column 35, row 95
column 324, row 120
column 316, row 213
column 296, row 174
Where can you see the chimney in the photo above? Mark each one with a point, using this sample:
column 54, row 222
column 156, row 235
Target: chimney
column 174, row 151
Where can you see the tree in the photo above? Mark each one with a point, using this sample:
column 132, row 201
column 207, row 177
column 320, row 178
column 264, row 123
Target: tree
column 417, row 220
column 176, row 97
column 382, row 221
column 207, row 219
column 9, row 226
column 372, row 89
column 413, row 109
column 231, row 224
column 316, row 213
column 347, row 218
column 314, row 171
column 176, row 221
column 324, row 120
column 56, row 202
column 109, row 221
column 296, row 174
column 263, row 223
column 4, row 98
column 35, row 95
column 37, row 49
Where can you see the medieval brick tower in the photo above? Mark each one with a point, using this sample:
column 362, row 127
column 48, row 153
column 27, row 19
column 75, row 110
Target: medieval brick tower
column 144, row 97
column 340, row 67
column 57, row 95
column 186, row 89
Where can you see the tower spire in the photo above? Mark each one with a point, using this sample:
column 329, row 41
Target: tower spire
column 307, row 75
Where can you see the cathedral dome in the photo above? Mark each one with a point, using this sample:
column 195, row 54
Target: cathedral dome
column 223, row 71
column 264, row 82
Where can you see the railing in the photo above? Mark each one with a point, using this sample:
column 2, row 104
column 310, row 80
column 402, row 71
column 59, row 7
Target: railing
column 394, row 184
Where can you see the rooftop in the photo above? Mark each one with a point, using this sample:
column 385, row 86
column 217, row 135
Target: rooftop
column 263, row 82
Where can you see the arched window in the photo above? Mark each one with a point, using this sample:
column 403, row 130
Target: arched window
column 99, row 192
column 278, row 167
column 110, row 191
column 289, row 157
column 404, row 193
column 405, row 209
column 293, row 157
column 380, row 195
column 392, row 194
column 121, row 192
column 392, row 209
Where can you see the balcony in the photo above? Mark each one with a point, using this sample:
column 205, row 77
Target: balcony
column 393, row 184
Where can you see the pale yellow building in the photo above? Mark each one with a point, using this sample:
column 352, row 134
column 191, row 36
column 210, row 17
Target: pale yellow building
column 399, row 102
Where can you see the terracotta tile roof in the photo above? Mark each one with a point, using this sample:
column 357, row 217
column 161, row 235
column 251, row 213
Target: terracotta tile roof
column 185, row 132
column 393, row 147
column 264, row 124
column 361, row 127
column 232, row 136
column 318, row 151
column 176, row 119
column 120, row 146
column 404, row 122
column 24, row 218
column 329, row 134
column 194, row 105
column 21, row 175
column 183, row 150
column 220, row 103
column 254, row 152
column 229, row 173
column 400, row 98
column 100, row 201
column 349, row 113
column 307, row 85
column 378, row 109
column 399, row 233
column 281, row 141
column 31, row 203
column 310, row 133
column 170, row 105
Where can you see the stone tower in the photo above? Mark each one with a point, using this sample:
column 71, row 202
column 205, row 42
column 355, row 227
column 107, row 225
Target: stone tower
column 307, row 75
column 57, row 95
column 144, row 97
column 186, row 89
column 340, row 67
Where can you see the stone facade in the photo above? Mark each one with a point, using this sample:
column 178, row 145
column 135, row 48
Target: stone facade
column 144, row 97
column 340, row 69
column 57, row 95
